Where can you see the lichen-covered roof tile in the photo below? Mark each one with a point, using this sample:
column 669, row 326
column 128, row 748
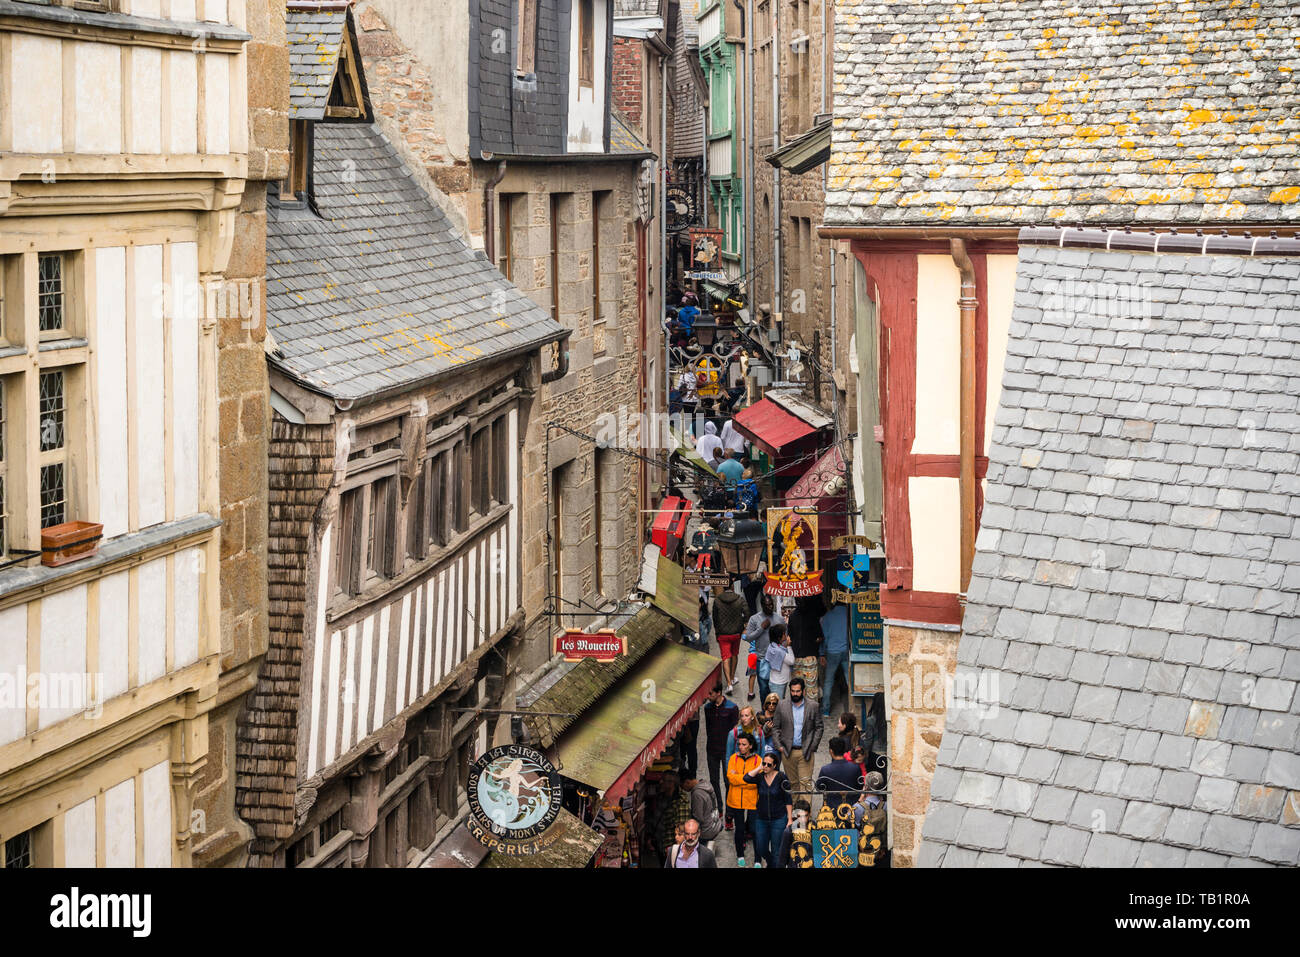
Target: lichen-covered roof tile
column 1001, row 112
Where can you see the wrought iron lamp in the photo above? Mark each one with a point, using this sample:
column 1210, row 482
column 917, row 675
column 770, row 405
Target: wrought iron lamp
column 741, row 541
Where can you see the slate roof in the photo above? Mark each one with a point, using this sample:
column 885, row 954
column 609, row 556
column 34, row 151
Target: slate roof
column 1137, row 575
column 314, row 37
column 1004, row 112
column 637, row 8
column 623, row 140
column 379, row 291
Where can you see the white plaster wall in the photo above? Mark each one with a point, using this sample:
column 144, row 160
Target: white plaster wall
column 119, row 825
column 63, row 655
column 151, row 642
column 182, row 10
column 1001, row 295
column 114, row 599
column 146, row 8
column 99, row 97
column 36, row 68
column 146, row 100
column 187, row 605
column 79, row 835
column 149, row 384
column 183, row 91
column 109, row 410
column 185, row 378
column 938, row 357
column 935, row 504
column 156, row 802
column 216, row 91
column 214, row 11
column 13, row 667
column 587, row 105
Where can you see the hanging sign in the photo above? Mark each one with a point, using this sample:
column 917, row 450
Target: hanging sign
column 854, row 579
column 706, row 255
column 792, row 539
column 706, row 578
column 514, row 797
column 848, row 541
column 604, row 645
column 867, row 627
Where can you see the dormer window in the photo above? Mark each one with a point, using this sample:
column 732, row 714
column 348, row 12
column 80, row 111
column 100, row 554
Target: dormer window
column 587, row 43
column 526, row 38
column 294, row 187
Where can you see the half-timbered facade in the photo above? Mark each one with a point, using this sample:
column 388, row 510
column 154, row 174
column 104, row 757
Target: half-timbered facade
column 401, row 380
column 122, row 161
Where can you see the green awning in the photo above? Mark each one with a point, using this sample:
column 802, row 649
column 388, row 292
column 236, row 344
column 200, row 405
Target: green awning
column 584, row 683
column 574, row 847
column 631, row 725
column 805, row 152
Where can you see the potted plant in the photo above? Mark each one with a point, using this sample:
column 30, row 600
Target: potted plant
column 70, row 542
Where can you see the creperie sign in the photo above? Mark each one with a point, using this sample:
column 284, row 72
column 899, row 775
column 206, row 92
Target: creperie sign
column 603, row 645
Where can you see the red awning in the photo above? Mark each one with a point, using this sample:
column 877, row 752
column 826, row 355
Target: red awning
column 669, row 526
column 771, row 427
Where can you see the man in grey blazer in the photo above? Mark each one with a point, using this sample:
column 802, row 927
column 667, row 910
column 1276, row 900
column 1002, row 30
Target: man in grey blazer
column 796, row 733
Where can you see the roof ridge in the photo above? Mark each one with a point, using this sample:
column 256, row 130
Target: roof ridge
column 1162, row 241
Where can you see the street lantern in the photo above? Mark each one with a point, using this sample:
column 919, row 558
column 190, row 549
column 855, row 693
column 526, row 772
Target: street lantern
column 706, row 328
column 741, row 541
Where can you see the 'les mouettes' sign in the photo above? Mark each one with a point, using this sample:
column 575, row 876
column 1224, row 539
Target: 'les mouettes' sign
column 603, row 645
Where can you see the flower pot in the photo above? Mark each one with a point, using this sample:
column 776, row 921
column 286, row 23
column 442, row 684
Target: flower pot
column 70, row 542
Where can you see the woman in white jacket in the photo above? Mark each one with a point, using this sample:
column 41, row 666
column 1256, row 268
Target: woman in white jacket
column 780, row 656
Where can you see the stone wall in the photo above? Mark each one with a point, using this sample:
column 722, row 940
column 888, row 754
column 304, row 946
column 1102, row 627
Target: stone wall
column 417, row 114
column 244, row 413
column 598, row 382
column 921, row 663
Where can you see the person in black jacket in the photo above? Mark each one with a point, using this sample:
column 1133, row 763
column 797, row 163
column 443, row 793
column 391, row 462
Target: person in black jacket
column 802, row 812
column 690, row 852
column 840, row 780
column 720, row 716
column 804, row 625
column 774, row 811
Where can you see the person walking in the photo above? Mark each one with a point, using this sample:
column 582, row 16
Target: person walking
column 758, row 637
column 780, row 660
column 802, row 812
column 729, row 616
column 729, row 468
column 765, row 718
column 797, row 729
column 805, row 625
column 748, row 724
column 774, row 810
column 841, row 779
column 834, row 653
column 742, row 796
column 704, row 809
column 708, row 445
column 720, row 716
column 690, row 852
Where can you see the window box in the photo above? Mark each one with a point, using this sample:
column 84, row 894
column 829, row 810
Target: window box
column 70, row 542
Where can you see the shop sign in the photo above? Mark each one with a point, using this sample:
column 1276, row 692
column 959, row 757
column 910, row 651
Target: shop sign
column 833, row 843
column 707, row 579
column 604, row 645
column 867, row 627
column 855, row 581
column 849, row 541
column 706, row 255
column 515, row 795
column 792, row 538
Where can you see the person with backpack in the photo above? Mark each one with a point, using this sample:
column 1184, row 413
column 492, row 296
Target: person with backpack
column 704, row 808
column 729, row 616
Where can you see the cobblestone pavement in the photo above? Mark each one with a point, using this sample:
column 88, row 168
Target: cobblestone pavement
column 724, row 846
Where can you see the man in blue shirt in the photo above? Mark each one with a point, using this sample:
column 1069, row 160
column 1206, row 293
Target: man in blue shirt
column 796, row 732
column 835, row 652
column 730, row 469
